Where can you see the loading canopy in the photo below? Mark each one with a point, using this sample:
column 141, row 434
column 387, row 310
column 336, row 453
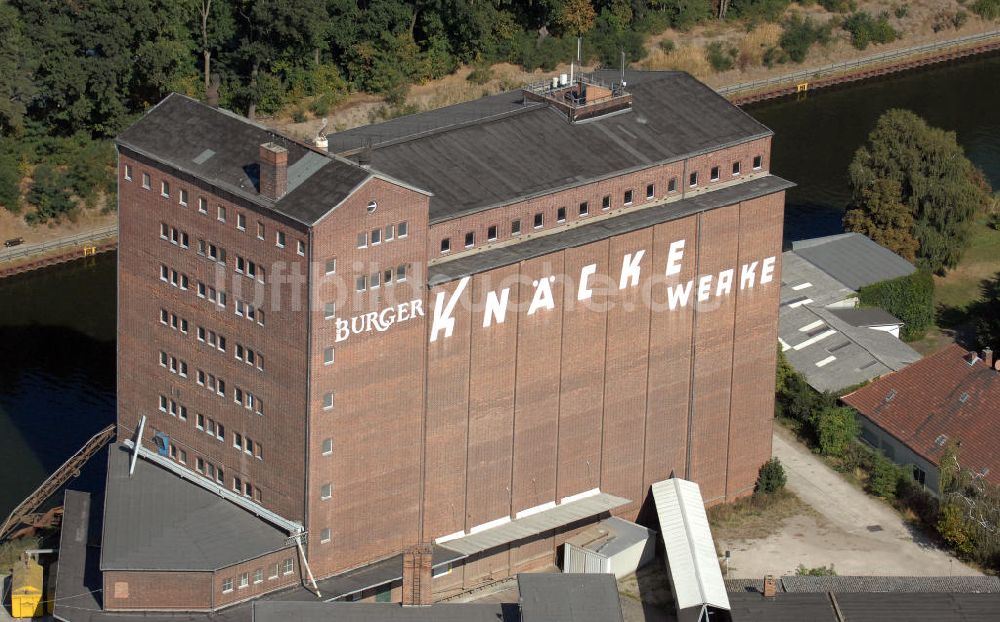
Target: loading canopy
column 691, row 558
column 528, row 526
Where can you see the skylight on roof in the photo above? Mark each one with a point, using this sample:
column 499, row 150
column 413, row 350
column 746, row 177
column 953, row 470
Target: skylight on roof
column 204, row 156
column 941, row 440
column 890, row 395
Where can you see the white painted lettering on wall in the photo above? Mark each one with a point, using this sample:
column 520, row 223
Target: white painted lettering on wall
column 380, row 321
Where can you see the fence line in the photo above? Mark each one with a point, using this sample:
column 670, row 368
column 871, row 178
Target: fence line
column 836, row 68
column 20, row 252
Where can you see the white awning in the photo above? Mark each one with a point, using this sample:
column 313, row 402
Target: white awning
column 534, row 524
column 691, row 558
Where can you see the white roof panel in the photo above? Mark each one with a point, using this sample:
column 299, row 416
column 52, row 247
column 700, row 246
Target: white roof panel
column 691, row 558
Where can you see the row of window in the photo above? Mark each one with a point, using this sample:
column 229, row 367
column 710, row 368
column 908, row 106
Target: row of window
column 217, row 474
column 248, row 311
column 378, row 279
column 213, row 339
column 175, row 278
column 211, row 427
column 248, row 400
column 220, row 210
column 248, row 446
column 249, row 269
column 173, row 235
column 210, row 470
column 246, row 489
column 173, row 321
column 173, row 408
column 388, row 234
column 210, row 382
column 249, row 356
column 583, row 209
column 174, row 364
column 284, row 567
column 211, row 294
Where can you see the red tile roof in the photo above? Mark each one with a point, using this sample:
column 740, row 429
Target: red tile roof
column 941, row 395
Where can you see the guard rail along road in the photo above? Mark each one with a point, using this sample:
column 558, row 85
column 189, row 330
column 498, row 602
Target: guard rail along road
column 58, row 251
column 862, row 68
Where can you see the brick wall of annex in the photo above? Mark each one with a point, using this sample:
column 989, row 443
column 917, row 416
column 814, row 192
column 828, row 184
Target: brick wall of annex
column 278, row 471
column 615, row 187
column 613, row 396
column 180, row 591
column 376, row 380
column 273, row 577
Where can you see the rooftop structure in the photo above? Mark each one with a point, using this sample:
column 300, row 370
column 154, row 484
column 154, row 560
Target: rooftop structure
column 853, row 259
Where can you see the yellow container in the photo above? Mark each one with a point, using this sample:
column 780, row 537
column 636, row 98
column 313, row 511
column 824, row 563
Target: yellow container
column 26, row 596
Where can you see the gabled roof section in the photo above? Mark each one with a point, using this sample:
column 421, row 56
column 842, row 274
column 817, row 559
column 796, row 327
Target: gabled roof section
column 222, row 149
column 942, row 398
column 155, row 520
column 853, row 259
column 694, row 567
column 498, row 150
column 568, row 597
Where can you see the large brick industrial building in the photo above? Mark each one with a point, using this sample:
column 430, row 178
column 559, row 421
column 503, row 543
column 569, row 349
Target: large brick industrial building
column 479, row 328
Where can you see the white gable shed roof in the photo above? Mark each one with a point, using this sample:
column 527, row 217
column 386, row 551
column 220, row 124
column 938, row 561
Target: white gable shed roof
column 691, row 558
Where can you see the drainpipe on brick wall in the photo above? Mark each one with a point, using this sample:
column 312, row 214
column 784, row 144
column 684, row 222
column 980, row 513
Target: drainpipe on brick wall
column 305, row 563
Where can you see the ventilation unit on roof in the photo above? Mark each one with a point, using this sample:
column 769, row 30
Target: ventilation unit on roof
column 890, row 395
column 963, row 398
column 580, row 97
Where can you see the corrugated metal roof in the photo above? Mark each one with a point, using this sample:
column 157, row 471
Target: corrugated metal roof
column 271, row 611
column 155, row 520
column 867, row 316
column 555, row 597
column 546, row 520
column 853, row 259
column 691, row 559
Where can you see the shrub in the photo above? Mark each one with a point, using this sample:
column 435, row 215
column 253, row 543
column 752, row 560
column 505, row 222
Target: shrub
column 799, row 36
column 480, row 74
column 901, row 11
column 770, row 478
column 10, row 182
column 721, row 56
column 866, row 29
column 774, row 56
column 819, row 571
column 48, row 195
column 951, row 526
column 299, row 114
column 668, row 46
column 987, row 9
column 768, row 10
column 884, row 478
column 909, row 298
column 836, row 428
column 838, row 6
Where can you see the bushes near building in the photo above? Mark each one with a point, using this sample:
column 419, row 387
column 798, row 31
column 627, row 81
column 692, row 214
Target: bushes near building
column 770, row 478
column 910, row 298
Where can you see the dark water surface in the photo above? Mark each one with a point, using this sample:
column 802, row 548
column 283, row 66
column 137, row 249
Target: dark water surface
column 57, row 326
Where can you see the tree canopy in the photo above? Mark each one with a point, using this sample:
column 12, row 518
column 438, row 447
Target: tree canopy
column 914, row 191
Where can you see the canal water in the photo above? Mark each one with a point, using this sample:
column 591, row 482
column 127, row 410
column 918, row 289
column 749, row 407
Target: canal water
column 57, row 326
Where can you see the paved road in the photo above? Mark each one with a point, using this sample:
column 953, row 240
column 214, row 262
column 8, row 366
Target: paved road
column 855, row 532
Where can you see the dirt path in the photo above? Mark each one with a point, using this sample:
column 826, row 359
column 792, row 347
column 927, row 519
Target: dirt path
column 855, row 532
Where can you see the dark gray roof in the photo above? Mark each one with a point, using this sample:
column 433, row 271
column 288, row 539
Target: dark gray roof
column 156, row 520
column 223, row 149
column 602, row 229
column 559, row 597
column 898, row 585
column 752, row 607
column 271, row 611
column 853, row 259
column 860, row 607
column 494, row 151
column 866, row 316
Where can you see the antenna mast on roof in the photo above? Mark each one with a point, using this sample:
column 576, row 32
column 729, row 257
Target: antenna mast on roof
column 320, row 141
column 623, row 68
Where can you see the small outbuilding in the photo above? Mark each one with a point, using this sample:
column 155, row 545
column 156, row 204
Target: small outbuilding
column 27, row 589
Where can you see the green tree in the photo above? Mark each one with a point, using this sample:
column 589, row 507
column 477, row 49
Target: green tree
column 952, row 527
column 910, row 298
column 938, row 185
column 884, row 218
column 986, row 314
column 836, row 428
column 577, row 17
column 49, row 195
column 770, row 478
column 10, row 181
column 883, row 479
column 17, row 63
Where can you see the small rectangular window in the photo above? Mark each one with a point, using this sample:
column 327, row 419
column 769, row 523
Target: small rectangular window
column 146, row 181
column 650, row 192
column 400, row 272
column 376, row 236
column 387, row 277
column 561, row 214
column 258, row 575
column 515, row 227
column 402, row 229
column 491, row 233
column 470, row 239
column 244, row 580
column 627, row 199
column 128, row 172
column 327, row 401
column 227, row 585
column 374, row 280
column 361, row 283
column 584, row 209
column 327, row 446
column 221, row 213
column 326, row 491
column 260, row 230
column 324, row 535
column 539, row 220
column 331, row 266
column 693, row 180
column 363, row 240
column 183, row 197
column 445, row 245
column 606, row 202
column 736, row 168
column 279, row 239
column 202, row 205
column 329, row 310
column 300, row 247
column 758, row 161
column 714, row 174
column 672, row 185
column 328, row 355
column 241, row 222
column 390, row 231
column 164, row 188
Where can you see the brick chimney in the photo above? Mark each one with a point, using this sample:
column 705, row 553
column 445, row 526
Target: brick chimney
column 770, row 586
column 417, row 588
column 988, row 356
column 273, row 162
